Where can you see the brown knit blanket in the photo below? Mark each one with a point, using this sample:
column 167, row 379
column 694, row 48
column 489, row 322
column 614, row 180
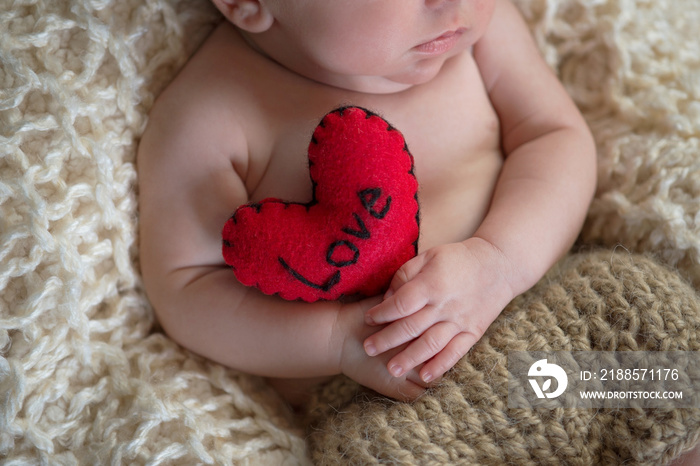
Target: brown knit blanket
column 599, row 301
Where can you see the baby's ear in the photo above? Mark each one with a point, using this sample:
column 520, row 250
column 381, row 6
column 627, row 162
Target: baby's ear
column 249, row 15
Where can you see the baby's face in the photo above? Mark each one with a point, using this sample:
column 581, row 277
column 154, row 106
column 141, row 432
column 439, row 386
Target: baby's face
column 343, row 42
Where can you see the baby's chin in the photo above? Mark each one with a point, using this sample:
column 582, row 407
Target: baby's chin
column 392, row 83
column 420, row 72
column 416, row 78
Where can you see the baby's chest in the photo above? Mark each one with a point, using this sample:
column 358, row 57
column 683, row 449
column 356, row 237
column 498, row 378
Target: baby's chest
column 450, row 128
column 448, row 142
column 456, row 167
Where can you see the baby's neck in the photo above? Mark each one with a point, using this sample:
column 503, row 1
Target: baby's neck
column 353, row 83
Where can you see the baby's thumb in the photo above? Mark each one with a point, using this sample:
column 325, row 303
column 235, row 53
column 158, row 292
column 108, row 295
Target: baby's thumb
column 406, row 391
column 405, row 274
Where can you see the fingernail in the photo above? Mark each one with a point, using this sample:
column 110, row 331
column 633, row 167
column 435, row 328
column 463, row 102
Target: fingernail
column 388, row 293
column 370, row 349
column 369, row 320
column 395, row 370
column 427, row 377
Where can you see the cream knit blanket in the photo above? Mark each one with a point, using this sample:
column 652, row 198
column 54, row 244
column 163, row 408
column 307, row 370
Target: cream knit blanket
column 84, row 378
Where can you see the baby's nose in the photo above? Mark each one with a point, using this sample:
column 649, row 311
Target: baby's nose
column 438, row 4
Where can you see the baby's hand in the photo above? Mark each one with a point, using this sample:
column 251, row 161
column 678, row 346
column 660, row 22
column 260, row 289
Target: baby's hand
column 371, row 371
column 439, row 304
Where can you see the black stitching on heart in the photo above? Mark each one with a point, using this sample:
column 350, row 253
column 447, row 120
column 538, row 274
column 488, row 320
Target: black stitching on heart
column 348, row 244
column 341, row 110
column 415, row 243
column 313, row 200
column 362, row 233
column 369, row 197
column 330, row 283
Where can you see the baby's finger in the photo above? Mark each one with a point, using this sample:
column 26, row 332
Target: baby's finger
column 448, row 357
column 431, row 343
column 409, row 299
column 407, row 390
column 398, row 333
column 405, row 274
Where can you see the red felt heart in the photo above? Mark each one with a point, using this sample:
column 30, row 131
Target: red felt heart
column 360, row 227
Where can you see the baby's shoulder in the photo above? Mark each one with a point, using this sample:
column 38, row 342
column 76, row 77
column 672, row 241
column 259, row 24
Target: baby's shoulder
column 224, row 70
column 197, row 94
column 200, row 106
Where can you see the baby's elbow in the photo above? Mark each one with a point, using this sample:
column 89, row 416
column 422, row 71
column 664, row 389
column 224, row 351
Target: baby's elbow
column 199, row 309
column 167, row 306
column 176, row 323
column 168, row 318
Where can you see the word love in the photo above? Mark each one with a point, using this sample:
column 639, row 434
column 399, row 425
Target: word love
column 333, row 246
column 368, row 198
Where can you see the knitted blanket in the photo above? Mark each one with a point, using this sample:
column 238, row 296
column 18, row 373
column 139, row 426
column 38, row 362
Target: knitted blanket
column 595, row 301
column 87, row 378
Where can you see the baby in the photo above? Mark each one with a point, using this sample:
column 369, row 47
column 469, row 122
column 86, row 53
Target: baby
column 505, row 164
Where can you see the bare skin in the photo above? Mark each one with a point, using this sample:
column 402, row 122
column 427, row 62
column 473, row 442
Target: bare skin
column 505, row 163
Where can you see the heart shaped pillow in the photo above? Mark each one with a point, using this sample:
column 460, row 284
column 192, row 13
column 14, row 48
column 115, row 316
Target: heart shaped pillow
column 361, row 225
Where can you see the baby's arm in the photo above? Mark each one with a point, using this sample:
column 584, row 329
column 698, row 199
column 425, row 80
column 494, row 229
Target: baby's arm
column 443, row 300
column 192, row 163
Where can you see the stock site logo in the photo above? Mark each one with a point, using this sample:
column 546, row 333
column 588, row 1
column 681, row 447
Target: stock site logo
column 542, row 368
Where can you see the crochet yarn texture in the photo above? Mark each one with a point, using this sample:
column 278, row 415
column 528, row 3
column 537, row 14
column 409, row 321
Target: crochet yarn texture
column 85, row 376
column 598, row 301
